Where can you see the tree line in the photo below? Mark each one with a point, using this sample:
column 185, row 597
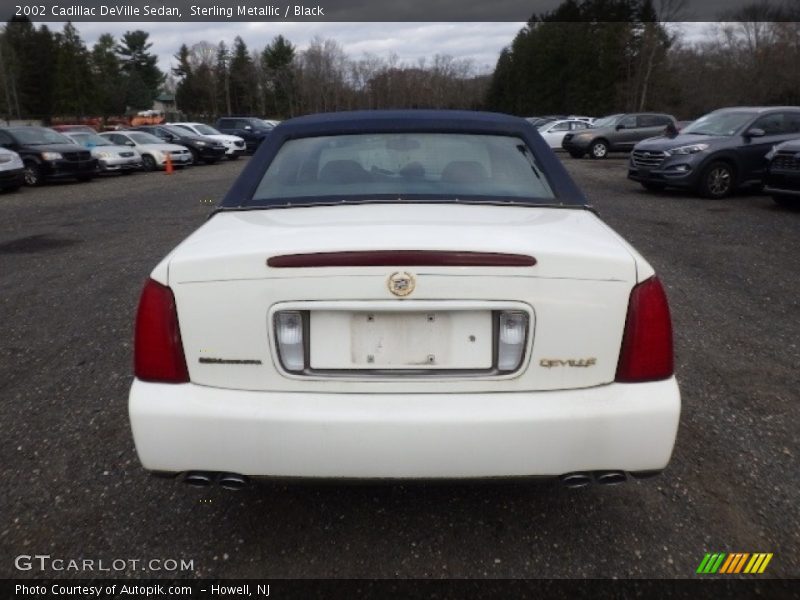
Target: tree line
column 597, row 57
column 47, row 75
column 591, row 57
column 281, row 81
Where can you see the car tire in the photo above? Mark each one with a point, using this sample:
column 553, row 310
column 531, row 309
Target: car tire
column 717, row 181
column 598, row 149
column 11, row 188
column 33, row 174
column 210, row 161
column 576, row 154
column 653, row 187
column 233, row 157
column 790, row 202
column 85, row 178
column 148, row 162
column 126, row 172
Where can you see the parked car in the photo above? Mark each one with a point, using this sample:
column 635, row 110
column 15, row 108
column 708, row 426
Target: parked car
column 783, row 174
column 554, row 132
column 581, row 118
column 539, row 121
column 47, row 155
column 717, row 153
column 234, row 145
column 73, row 128
column 251, row 129
column 404, row 294
column 203, row 149
column 111, row 158
column 153, row 150
column 615, row 133
column 11, row 170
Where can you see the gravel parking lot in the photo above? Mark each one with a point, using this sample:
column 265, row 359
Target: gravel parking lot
column 72, row 261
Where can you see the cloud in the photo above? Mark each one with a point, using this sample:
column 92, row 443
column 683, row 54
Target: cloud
column 479, row 42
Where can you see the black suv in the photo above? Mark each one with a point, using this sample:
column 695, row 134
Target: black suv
column 203, row 148
column 48, row 155
column 717, row 153
column 251, row 129
column 783, row 174
column 616, row 133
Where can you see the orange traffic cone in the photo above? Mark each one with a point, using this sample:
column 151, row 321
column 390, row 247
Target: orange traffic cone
column 168, row 169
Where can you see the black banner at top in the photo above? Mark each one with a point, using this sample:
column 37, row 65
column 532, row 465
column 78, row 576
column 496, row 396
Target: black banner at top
column 392, row 10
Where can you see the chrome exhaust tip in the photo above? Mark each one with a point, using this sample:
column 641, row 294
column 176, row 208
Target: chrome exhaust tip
column 233, row 481
column 198, row 479
column 611, row 477
column 576, row 480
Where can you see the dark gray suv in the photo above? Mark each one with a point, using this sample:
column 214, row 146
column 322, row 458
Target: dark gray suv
column 716, row 154
column 616, row 133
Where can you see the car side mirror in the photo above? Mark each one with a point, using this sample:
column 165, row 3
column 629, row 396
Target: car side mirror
column 755, row 132
column 248, row 128
column 129, row 143
column 620, row 126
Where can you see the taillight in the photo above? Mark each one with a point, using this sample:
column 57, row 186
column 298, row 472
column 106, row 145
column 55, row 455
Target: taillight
column 157, row 351
column 646, row 353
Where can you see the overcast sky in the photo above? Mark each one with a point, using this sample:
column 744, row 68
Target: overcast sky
column 480, row 42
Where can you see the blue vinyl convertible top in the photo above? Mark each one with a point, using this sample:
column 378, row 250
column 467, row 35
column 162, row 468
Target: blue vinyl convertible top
column 567, row 194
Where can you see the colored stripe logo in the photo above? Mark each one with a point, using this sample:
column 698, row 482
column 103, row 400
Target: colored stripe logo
column 734, row 562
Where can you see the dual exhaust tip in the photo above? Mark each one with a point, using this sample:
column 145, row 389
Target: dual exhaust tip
column 579, row 480
column 229, row 481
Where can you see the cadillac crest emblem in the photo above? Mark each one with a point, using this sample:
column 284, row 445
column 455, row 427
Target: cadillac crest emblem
column 401, row 283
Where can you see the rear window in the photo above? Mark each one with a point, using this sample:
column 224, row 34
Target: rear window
column 403, row 166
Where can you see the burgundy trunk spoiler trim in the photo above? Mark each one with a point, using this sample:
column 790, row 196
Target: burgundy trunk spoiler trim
column 401, row 258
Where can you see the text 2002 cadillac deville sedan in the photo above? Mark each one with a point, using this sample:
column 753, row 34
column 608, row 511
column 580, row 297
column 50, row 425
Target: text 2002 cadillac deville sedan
column 404, row 294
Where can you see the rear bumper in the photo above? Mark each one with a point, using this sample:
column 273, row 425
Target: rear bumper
column 629, row 427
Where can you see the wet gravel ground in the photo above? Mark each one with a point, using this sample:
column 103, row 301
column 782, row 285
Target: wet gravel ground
column 72, row 261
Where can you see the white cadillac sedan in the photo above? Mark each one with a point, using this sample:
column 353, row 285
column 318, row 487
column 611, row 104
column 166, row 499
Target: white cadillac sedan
column 404, row 294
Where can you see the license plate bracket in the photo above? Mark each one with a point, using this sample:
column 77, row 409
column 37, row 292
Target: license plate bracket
column 403, row 340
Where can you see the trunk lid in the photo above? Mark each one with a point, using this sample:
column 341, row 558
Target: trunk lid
column 575, row 295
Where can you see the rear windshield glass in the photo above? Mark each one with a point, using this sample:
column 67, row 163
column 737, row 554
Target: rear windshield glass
column 404, row 166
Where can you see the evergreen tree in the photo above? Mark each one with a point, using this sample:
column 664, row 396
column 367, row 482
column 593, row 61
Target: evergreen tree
column 222, row 87
column 74, row 94
column 144, row 78
column 276, row 60
column 242, row 79
column 108, row 80
column 586, row 56
column 29, row 69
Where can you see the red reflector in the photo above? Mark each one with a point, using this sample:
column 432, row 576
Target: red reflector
column 157, row 350
column 401, row 258
column 646, row 353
